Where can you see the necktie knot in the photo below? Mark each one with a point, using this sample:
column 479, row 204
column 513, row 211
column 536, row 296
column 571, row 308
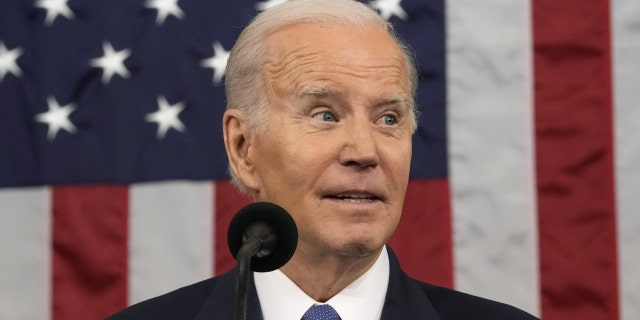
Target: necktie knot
column 321, row 312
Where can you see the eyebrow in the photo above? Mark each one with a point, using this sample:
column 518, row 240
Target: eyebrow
column 317, row 91
column 400, row 99
column 323, row 92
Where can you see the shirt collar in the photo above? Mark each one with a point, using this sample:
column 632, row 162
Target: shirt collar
column 364, row 298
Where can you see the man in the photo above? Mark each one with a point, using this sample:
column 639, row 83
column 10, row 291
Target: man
column 319, row 120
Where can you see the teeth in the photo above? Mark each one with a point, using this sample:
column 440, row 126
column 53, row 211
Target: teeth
column 355, row 197
column 356, row 200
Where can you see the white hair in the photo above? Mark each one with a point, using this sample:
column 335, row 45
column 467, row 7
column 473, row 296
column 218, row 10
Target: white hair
column 244, row 85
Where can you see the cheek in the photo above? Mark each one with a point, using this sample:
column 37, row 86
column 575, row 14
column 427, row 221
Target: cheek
column 288, row 165
column 268, row 158
column 306, row 155
column 398, row 161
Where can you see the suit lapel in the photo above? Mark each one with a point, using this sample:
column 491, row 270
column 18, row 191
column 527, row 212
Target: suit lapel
column 220, row 304
column 405, row 299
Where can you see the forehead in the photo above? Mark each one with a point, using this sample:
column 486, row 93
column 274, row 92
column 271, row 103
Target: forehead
column 300, row 55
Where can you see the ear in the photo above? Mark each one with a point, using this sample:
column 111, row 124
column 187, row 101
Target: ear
column 237, row 142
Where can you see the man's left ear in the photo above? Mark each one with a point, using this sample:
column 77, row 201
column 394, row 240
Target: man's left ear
column 237, row 142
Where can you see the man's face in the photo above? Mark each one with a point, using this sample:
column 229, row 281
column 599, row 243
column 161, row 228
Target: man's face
column 335, row 147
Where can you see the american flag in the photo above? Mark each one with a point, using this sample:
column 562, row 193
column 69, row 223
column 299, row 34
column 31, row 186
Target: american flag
column 524, row 177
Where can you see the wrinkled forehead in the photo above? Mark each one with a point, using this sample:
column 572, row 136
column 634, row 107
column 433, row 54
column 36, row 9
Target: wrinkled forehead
column 299, row 51
column 338, row 36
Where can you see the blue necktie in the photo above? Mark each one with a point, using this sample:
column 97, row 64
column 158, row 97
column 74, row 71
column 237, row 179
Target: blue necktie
column 321, row 312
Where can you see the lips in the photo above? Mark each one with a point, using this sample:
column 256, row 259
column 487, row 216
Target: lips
column 354, row 197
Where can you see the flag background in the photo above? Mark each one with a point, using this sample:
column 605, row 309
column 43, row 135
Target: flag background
column 524, row 184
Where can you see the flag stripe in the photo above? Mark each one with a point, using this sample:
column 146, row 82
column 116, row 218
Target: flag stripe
column 89, row 267
column 171, row 244
column 626, row 41
column 25, row 236
column 472, row 217
column 490, row 150
column 227, row 203
column 426, row 220
column 574, row 159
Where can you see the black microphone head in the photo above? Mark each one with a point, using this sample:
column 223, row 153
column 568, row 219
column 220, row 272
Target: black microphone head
column 279, row 250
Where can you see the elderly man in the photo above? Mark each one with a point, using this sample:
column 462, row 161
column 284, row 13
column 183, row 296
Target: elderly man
column 319, row 120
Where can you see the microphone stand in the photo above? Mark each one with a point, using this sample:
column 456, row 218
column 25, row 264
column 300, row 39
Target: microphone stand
column 256, row 231
column 246, row 252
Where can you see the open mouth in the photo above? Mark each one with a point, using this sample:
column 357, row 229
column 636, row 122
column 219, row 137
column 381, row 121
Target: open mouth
column 354, row 197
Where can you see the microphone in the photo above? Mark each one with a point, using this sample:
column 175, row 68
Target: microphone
column 262, row 237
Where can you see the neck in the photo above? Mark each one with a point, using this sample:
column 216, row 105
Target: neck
column 323, row 276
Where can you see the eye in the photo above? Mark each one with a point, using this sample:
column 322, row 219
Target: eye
column 388, row 119
column 325, row 116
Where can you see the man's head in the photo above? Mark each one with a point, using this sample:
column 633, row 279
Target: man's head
column 319, row 120
column 244, row 85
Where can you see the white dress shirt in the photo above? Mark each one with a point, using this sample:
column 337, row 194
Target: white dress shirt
column 363, row 299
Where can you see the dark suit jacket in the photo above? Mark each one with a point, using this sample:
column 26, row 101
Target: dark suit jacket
column 406, row 299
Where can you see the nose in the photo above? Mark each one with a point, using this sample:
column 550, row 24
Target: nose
column 359, row 148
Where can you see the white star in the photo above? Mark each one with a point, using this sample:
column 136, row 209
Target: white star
column 389, row 8
column 264, row 5
column 166, row 117
column 8, row 61
column 165, row 8
column 111, row 62
column 55, row 8
column 218, row 62
column 57, row 118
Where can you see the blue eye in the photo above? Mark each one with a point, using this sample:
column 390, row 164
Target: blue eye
column 389, row 119
column 326, row 116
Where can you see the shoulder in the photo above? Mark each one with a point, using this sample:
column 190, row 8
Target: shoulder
column 454, row 305
column 420, row 300
column 183, row 303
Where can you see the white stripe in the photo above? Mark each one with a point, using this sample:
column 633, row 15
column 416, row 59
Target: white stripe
column 490, row 138
column 171, row 237
column 626, row 46
column 25, row 253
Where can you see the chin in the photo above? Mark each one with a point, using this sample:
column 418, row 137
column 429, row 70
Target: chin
column 359, row 249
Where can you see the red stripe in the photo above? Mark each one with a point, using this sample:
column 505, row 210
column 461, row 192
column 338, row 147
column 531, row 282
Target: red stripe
column 574, row 154
column 89, row 251
column 228, row 202
column 423, row 239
